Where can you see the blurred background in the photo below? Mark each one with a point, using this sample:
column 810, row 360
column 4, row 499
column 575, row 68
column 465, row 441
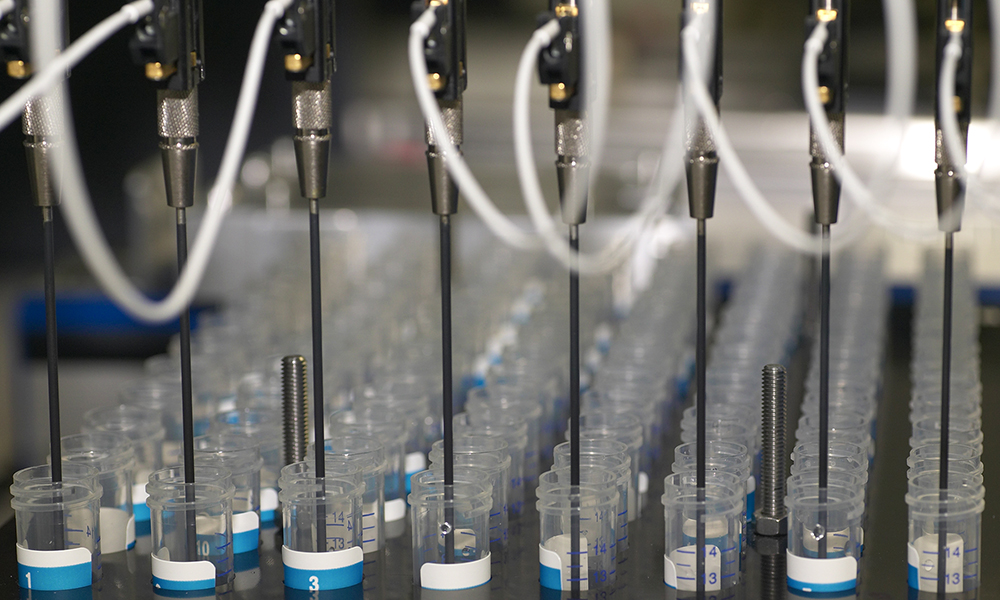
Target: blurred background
column 379, row 161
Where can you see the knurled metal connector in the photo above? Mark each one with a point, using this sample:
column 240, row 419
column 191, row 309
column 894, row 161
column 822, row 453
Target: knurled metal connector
column 42, row 126
column 572, row 165
column 312, row 117
column 178, row 125
column 444, row 192
column 825, row 185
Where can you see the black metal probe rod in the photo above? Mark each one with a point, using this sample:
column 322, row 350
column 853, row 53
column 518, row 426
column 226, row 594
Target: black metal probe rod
column 52, row 357
column 317, row 340
column 574, row 358
column 824, row 382
column 187, row 407
column 949, row 263
column 701, row 342
column 447, row 406
column 576, row 565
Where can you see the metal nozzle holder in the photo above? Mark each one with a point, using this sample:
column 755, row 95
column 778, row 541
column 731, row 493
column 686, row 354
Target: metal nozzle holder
column 42, row 127
column 177, row 123
column 444, row 192
column 950, row 187
column 312, row 117
column 702, row 170
column 572, row 166
column 825, row 185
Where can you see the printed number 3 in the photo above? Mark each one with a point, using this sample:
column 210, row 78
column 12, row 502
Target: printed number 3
column 314, row 584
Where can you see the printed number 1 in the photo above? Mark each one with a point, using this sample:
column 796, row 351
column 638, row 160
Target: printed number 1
column 28, row 575
column 314, row 584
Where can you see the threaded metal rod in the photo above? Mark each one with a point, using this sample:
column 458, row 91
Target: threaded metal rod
column 772, row 509
column 295, row 407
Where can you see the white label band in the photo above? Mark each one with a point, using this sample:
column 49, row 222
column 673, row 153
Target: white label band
column 455, row 576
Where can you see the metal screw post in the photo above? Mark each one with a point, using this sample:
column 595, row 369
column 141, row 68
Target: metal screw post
column 772, row 516
column 295, row 404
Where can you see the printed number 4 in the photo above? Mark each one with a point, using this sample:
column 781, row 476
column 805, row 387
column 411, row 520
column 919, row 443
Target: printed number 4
column 314, row 584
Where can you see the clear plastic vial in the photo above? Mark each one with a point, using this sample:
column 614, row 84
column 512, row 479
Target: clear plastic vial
column 192, row 533
column 241, row 456
column 451, row 540
column 824, row 534
column 391, row 431
column 720, row 512
column 368, row 454
column 111, row 454
column 577, row 550
column 956, row 514
column 496, row 469
column 322, row 526
column 145, row 430
column 620, row 465
column 264, row 426
column 516, row 437
column 57, row 524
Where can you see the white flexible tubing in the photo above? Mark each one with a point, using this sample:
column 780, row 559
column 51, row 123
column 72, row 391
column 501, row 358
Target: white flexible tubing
column 977, row 188
column 55, row 70
column 597, row 78
column 618, row 249
column 496, row 221
column 853, row 186
column 770, row 218
column 946, row 114
column 6, row 6
column 82, row 222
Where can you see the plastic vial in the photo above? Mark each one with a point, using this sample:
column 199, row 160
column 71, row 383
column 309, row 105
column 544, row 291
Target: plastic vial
column 955, row 452
column 515, row 424
column 111, row 454
column 164, row 396
column 392, row 433
column 241, row 456
column 368, row 454
column 417, row 416
column 58, row 540
column 145, row 430
column 496, row 467
column 499, row 399
column 721, row 511
column 460, row 512
column 958, row 514
column 621, row 428
column 335, row 558
column 577, row 550
column 831, row 527
column 729, row 457
column 173, row 507
column 621, row 467
column 516, row 437
column 264, row 426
